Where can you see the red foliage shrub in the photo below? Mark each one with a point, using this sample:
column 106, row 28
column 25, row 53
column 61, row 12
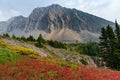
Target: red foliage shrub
column 31, row 69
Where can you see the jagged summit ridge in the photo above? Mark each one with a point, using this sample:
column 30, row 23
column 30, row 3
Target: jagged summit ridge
column 59, row 23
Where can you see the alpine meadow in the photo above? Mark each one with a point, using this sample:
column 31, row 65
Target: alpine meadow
column 59, row 40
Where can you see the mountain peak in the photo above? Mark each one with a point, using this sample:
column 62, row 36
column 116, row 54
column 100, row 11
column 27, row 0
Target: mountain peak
column 59, row 23
column 55, row 5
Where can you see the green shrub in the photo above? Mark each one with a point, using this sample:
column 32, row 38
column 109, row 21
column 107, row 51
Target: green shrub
column 6, row 35
column 56, row 44
column 83, row 62
column 74, row 66
column 63, row 64
column 7, row 55
column 91, row 49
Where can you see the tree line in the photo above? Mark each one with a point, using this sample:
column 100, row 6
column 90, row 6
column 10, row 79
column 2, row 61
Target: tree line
column 39, row 42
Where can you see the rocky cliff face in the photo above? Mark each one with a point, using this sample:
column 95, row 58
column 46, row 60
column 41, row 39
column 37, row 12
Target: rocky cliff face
column 15, row 25
column 58, row 17
column 4, row 25
column 59, row 23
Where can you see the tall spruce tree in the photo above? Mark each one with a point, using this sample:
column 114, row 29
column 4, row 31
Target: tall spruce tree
column 112, row 59
column 111, row 39
column 117, row 31
column 103, row 43
column 40, row 41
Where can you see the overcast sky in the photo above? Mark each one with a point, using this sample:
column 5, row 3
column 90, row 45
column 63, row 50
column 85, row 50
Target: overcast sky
column 108, row 9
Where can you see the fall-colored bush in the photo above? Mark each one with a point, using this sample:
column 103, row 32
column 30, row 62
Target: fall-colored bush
column 30, row 66
column 22, row 50
column 18, row 49
column 32, row 69
column 2, row 44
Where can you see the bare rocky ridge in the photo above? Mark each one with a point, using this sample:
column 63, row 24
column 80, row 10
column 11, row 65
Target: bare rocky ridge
column 59, row 23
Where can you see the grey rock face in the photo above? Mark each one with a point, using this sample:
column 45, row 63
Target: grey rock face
column 56, row 21
column 17, row 23
column 58, row 17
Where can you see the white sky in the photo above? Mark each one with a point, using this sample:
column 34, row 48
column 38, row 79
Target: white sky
column 108, row 9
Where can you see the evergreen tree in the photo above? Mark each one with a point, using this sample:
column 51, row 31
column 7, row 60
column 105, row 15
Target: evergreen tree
column 117, row 31
column 56, row 44
column 40, row 41
column 110, row 52
column 117, row 51
column 13, row 36
column 111, row 39
column 6, row 35
column 30, row 38
column 103, row 41
column 112, row 58
column 23, row 38
column 91, row 48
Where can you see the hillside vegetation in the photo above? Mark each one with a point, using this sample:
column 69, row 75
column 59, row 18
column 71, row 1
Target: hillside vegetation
column 19, row 62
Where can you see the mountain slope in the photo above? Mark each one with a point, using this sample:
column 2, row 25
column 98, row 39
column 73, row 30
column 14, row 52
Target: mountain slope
column 59, row 23
column 23, row 63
